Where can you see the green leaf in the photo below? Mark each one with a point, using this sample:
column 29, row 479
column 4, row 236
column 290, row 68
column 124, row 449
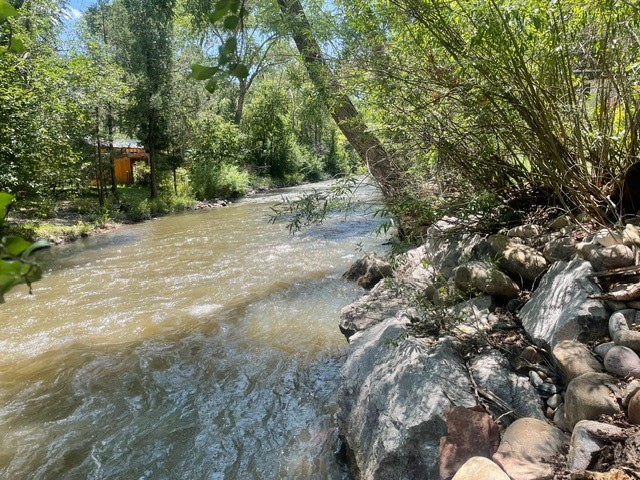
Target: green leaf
column 231, row 22
column 7, row 10
column 15, row 245
column 239, row 71
column 217, row 14
column 16, row 45
column 40, row 244
column 211, row 86
column 200, row 72
column 234, row 5
column 230, row 46
column 6, row 199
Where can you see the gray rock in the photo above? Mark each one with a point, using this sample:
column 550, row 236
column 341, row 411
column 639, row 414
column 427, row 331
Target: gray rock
column 622, row 361
column 558, row 417
column 535, row 378
column 629, row 391
column 602, row 349
column 378, row 305
column 492, row 372
column 633, row 410
column 560, row 222
column 634, row 304
column 631, row 235
column 480, row 468
column 395, row 391
column 615, row 306
column 486, row 278
column 616, row 256
column 472, row 316
column 554, row 401
column 587, row 439
column 574, row 359
column 528, row 449
column 520, row 261
column 607, row 238
column 548, row 389
column 589, row 396
column 559, row 249
column 560, row 309
column 620, row 331
column 368, row 270
column 525, row 231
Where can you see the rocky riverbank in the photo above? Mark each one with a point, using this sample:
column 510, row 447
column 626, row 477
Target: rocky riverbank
column 505, row 356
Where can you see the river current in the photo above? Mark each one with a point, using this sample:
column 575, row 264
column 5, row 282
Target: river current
column 196, row 346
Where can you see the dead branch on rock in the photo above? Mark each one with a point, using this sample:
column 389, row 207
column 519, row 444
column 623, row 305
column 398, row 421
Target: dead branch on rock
column 631, row 292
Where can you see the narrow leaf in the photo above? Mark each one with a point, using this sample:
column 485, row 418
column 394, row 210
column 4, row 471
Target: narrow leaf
column 6, row 199
column 230, row 46
column 40, row 244
column 218, row 14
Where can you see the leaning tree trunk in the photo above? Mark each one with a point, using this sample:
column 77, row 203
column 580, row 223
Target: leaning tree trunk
column 340, row 106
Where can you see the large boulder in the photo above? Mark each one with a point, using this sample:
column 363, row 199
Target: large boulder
column 486, row 278
column 516, row 396
column 616, row 256
column 480, row 468
column 368, row 270
column 394, row 395
column 587, row 439
column 622, row 361
column 560, row 308
column 589, row 396
column 378, row 305
column 521, row 262
column 530, row 449
column 471, row 432
column 622, row 330
column 574, row 359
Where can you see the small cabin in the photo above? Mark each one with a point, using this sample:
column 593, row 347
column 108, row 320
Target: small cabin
column 126, row 154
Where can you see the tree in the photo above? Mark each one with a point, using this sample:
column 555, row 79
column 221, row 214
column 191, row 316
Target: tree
column 146, row 52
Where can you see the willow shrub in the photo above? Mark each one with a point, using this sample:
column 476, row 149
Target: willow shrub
column 507, row 95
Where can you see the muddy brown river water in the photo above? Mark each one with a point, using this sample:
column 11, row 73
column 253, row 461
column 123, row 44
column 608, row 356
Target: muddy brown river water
column 197, row 346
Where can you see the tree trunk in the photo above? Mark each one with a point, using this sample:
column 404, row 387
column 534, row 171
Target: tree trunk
column 112, row 161
column 152, row 153
column 99, row 153
column 344, row 113
column 240, row 105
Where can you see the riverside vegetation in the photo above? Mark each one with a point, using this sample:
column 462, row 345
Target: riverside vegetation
column 485, row 112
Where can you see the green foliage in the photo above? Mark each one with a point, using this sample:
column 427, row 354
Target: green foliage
column 16, row 263
column 210, row 180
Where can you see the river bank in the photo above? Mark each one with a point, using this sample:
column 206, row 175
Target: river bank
column 503, row 356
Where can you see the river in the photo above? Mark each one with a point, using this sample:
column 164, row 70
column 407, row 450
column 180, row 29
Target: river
column 196, row 346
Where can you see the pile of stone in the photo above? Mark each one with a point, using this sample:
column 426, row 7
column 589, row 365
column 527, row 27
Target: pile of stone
column 433, row 375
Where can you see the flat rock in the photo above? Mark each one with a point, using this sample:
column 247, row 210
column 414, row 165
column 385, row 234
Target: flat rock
column 471, row 432
column 620, row 328
column 492, row 372
column 589, row 396
column 394, row 394
column 563, row 248
column 560, row 308
column 574, row 359
column 525, row 231
column 631, row 235
column 480, row 468
column 587, row 439
column 378, row 305
column 529, row 448
column 486, row 278
column 471, row 316
column 622, row 361
column 616, row 256
column 607, row 238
